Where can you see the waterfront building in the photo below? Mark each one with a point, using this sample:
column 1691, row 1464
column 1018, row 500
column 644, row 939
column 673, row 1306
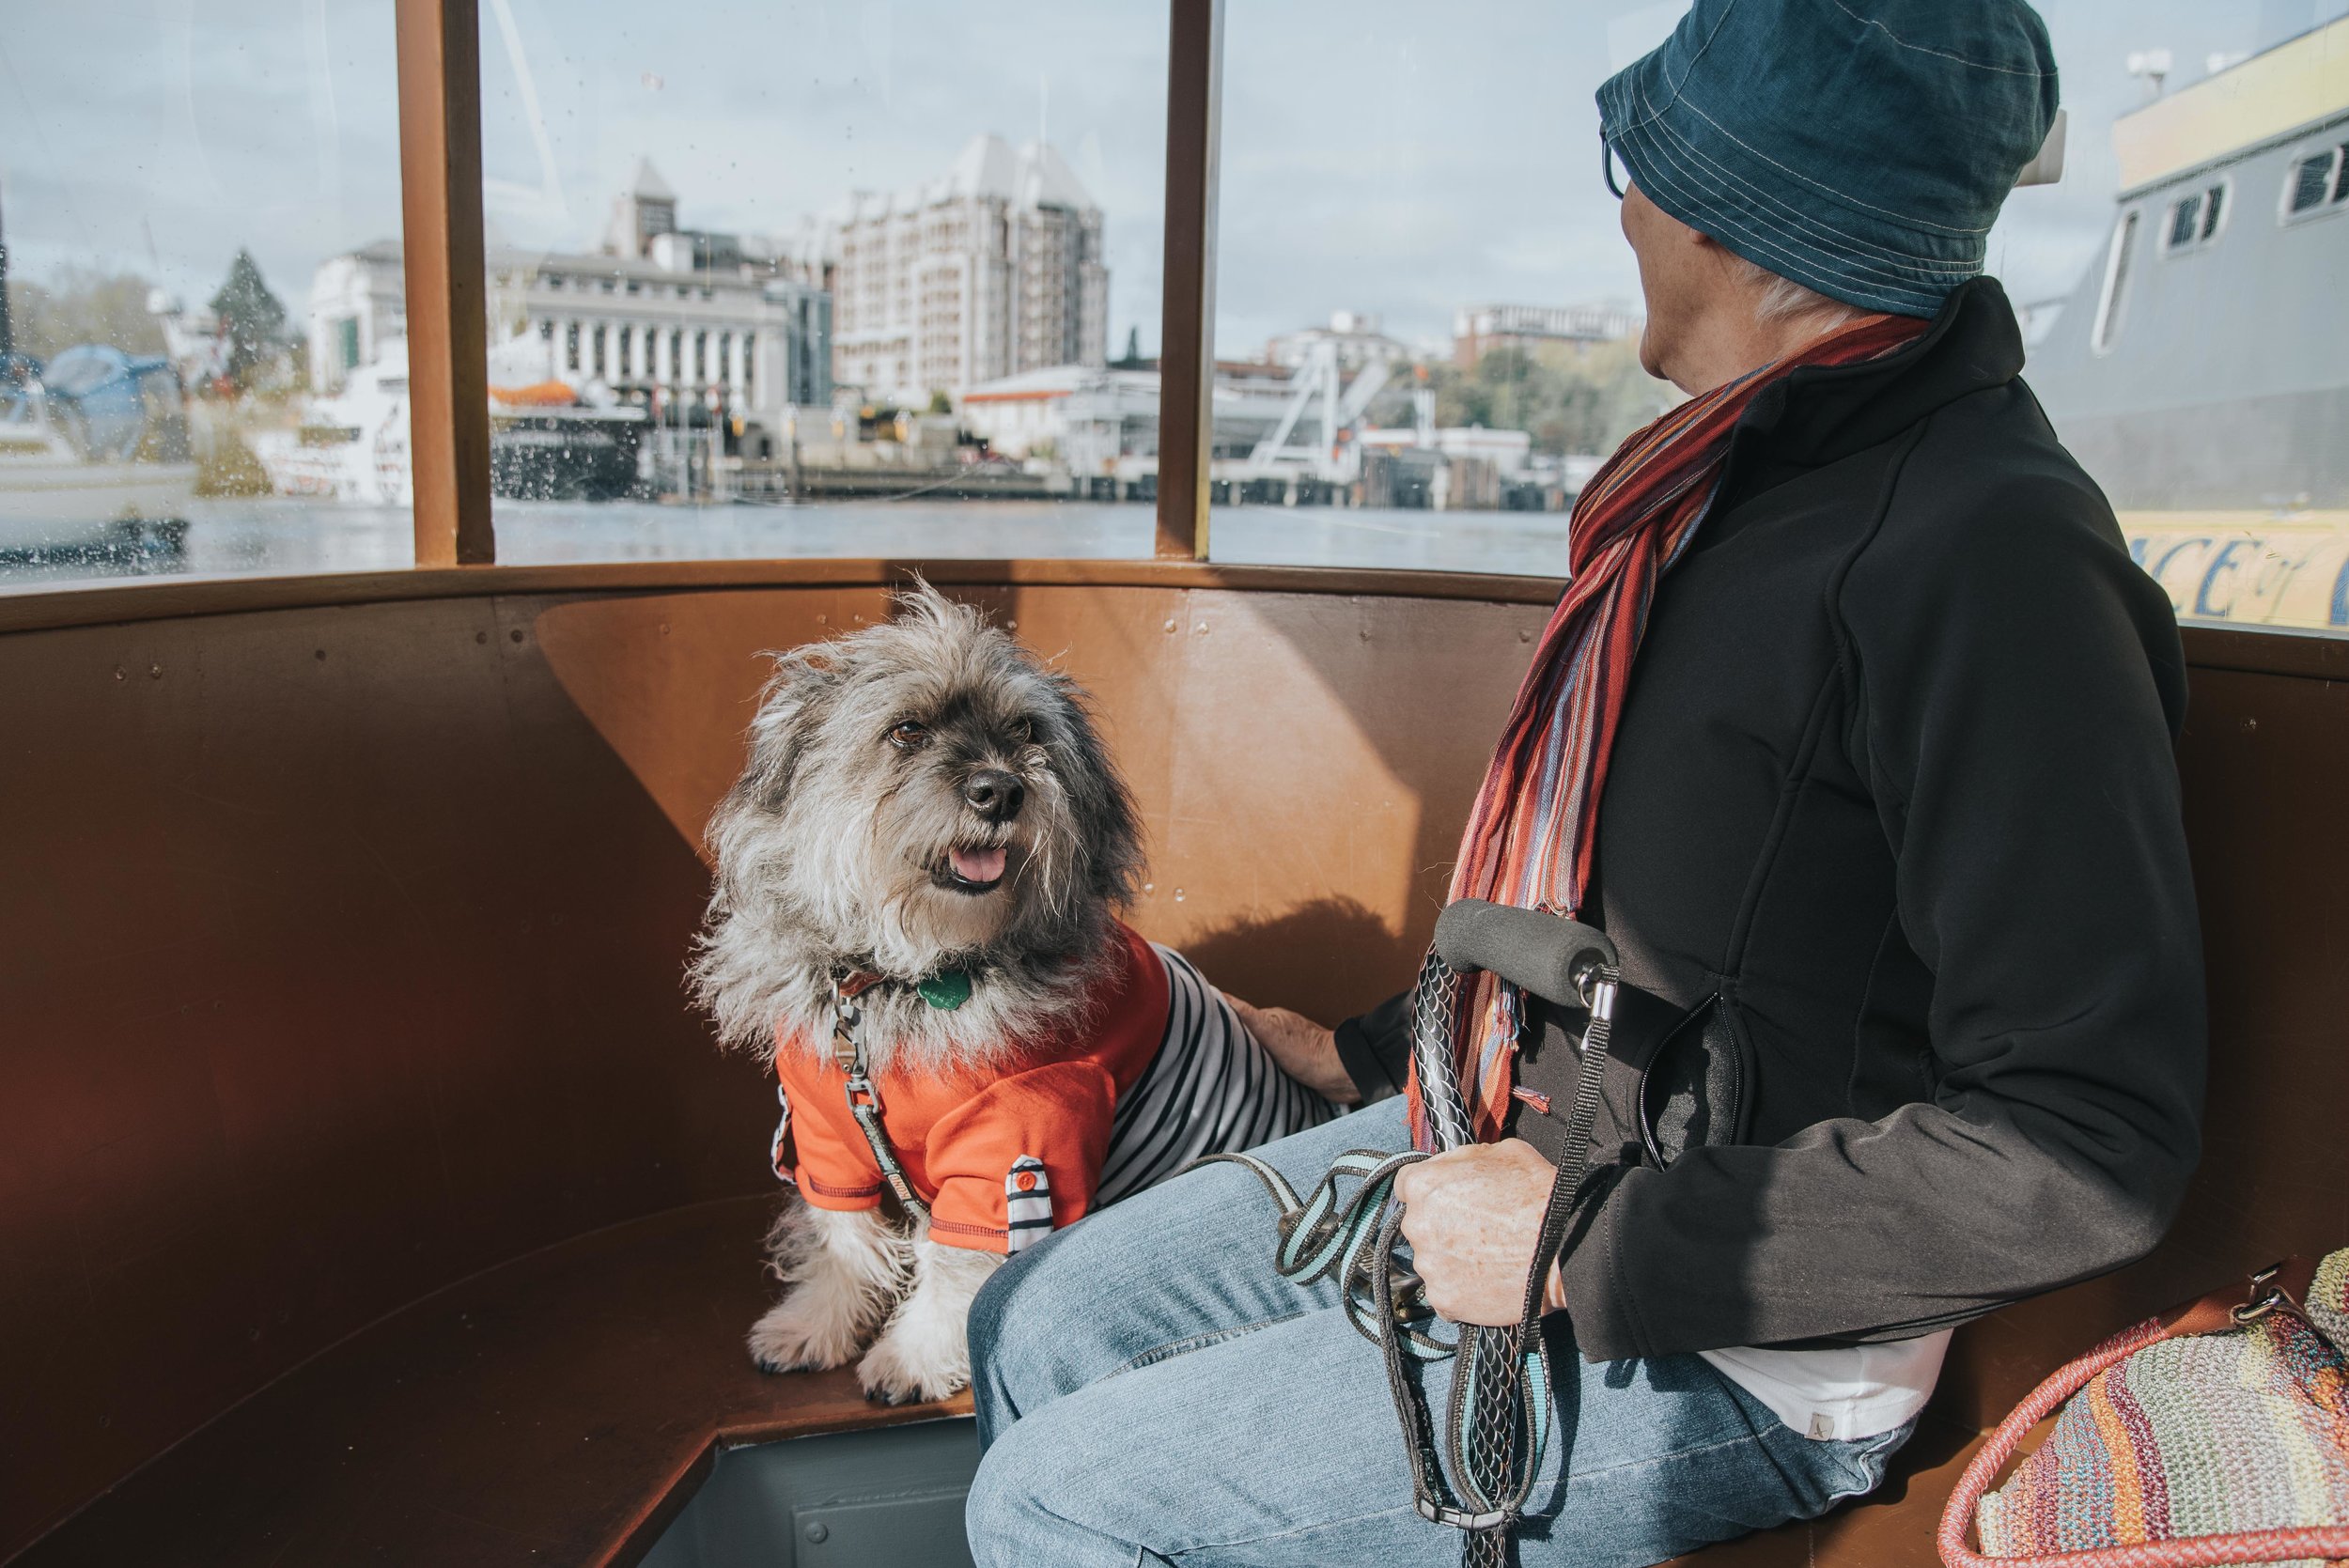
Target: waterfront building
column 1478, row 330
column 1354, row 334
column 993, row 269
column 702, row 327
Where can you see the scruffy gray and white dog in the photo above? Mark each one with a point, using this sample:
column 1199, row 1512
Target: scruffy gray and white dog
column 930, row 842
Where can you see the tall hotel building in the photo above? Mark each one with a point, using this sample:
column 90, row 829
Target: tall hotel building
column 989, row 272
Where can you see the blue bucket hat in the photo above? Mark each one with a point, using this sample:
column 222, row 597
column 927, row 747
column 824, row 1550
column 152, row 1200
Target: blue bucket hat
column 1860, row 147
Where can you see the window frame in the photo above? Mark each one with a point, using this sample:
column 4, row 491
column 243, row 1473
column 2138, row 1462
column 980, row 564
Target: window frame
column 2206, row 233
column 2112, row 298
column 2334, row 198
column 439, row 55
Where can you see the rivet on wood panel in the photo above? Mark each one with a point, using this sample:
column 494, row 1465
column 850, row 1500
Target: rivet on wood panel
column 1170, row 626
column 319, row 654
column 664, row 629
column 121, row 674
column 823, row 620
column 1524, row 636
column 2250, row 724
column 480, row 636
column 1201, row 628
column 1178, row 895
column 516, row 634
column 1146, row 887
column 154, row 672
column 1011, row 626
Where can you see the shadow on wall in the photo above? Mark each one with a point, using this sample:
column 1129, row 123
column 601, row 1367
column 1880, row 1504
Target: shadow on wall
column 1329, row 959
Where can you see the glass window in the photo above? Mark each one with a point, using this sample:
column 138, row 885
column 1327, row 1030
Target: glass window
column 878, row 278
column 1426, row 318
column 2116, row 281
column 1425, row 304
column 184, row 387
column 2311, row 178
column 2184, row 218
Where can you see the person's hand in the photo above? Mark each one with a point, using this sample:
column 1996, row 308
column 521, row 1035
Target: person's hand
column 1472, row 1217
column 1305, row 1050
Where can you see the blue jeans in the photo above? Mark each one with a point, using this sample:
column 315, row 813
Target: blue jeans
column 1150, row 1390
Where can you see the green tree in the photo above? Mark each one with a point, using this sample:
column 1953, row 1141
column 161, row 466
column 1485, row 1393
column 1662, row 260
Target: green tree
column 253, row 319
column 1568, row 397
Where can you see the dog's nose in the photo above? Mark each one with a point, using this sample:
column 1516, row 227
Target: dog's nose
column 994, row 793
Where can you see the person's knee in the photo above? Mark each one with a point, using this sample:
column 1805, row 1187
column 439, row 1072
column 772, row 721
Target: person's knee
column 998, row 1313
column 1004, row 1515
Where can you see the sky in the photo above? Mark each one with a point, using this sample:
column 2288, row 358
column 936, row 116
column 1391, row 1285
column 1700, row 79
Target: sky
column 1403, row 160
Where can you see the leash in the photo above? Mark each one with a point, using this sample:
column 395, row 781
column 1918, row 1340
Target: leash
column 1498, row 1421
column 864, row 1102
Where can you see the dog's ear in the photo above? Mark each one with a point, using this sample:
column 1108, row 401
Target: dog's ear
column 793, row 702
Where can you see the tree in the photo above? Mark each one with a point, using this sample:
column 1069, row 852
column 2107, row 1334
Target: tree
column 253, row 319
column 1567, row 397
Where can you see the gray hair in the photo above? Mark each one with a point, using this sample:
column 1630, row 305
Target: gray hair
column 1784, row 300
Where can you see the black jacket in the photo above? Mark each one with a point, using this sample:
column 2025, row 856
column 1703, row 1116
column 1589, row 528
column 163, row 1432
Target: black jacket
column 1894, row 815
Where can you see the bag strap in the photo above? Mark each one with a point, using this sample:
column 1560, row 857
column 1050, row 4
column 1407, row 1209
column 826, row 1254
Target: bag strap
column 2282, row 1286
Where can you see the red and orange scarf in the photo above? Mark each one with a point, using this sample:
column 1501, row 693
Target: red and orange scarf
column 1530, row 838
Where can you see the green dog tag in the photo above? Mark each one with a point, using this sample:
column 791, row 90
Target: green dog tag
column 945, row 991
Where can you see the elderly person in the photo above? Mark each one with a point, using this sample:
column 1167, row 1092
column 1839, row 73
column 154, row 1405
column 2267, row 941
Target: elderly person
column 1853, row 730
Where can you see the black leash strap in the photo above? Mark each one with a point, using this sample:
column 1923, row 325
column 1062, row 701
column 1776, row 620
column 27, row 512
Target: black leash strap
column 1499, row 1416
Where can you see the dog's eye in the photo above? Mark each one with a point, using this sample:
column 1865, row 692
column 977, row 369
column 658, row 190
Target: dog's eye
column 909, row 737
column 1023, row 731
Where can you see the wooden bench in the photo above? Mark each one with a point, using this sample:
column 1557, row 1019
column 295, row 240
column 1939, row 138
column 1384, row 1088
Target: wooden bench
column 368, row 1192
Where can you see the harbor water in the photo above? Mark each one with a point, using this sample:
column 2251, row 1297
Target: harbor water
column 279, row 536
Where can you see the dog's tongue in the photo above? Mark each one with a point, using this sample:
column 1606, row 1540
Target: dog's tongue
column 978, row 865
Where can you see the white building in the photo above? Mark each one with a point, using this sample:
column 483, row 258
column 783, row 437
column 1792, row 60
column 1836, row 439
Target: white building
column 1355, row 334
column 1478, row 330
column 712, row 325
column 358, row 302
column 992, row 270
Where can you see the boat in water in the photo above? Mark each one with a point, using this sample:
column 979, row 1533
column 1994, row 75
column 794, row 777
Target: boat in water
column 94, row 452
column 549, row 440
column 2203, row 361
column 2200, row 370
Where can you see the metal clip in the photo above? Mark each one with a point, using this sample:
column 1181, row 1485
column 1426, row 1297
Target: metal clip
column 1460, row 1518
column 2265, row 1297
column 846, row 1015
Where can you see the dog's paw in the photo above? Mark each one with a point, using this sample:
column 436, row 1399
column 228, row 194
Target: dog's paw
column 805, row 1334
column 902, row 1368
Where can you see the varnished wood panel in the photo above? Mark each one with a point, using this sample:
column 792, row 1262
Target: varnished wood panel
column 340, row 947
column 557, row 1410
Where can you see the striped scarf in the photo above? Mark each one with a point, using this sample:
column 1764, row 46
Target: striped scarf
column 1530, row 836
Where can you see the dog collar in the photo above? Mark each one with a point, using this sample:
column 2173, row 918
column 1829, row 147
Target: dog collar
column 945, row 991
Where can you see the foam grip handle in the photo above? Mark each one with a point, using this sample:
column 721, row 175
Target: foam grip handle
column 1537, row 952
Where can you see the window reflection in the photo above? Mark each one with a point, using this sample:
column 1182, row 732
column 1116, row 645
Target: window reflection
column 161, row 323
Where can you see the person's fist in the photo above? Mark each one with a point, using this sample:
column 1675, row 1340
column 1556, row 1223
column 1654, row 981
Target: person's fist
column 1472, row 1217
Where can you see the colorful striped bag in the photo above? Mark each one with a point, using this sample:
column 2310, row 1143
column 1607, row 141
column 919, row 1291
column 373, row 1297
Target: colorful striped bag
column 2217, row 1434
